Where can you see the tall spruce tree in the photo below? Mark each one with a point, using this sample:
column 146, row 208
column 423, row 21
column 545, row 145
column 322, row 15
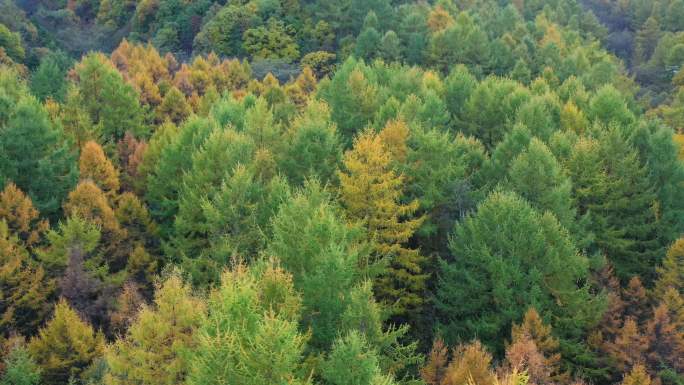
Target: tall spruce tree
column 505, row 258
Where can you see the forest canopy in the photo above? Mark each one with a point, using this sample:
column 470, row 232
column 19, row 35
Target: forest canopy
column 354, row 192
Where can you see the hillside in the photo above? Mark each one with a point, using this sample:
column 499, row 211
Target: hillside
column 355, row 192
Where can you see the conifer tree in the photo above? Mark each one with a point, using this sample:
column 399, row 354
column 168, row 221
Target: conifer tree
column 21, row 217
column 173, row 160
column 506, row 240
column 537, row 176
column 671, row 272
column 110, row 103
column 20, row 369
column 314, row 148
column 470, row 362
column 539, row 333
column 24, row 286
column 88, row 202
column 629, row 347
column 153, row 351
column 665, row 341
column 66, row 346
column 435, row 368
column 315, row 244
column 371, row 193
column 203, row 181
column 353, row 362
column 173, row 107
column 35, row 156
column 237, row 217
column 93, row 165
column 250, row 335
column 637, row 376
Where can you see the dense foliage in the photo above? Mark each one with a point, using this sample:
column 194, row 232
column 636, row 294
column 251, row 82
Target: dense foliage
column 354, row 192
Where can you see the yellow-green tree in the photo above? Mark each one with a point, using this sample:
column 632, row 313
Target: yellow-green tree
column 371, row 192
column 66, row 346
column 24, row 288
column 152, row 351
column 671, row 273
column 22, row 218
column 94, row 165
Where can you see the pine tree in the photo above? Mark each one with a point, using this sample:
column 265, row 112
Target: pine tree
column 153, row 351
column 88, row 202
column 111, row 103
column 93, row 165
column 665, row 341
column 435, row 369
column 371, row 193
column 21, row 217
column 250, row 335
column 35, row 156
column 625, row 218
column 441, row 173
column 637, row 376
column 629, row 347
column 20, row 369
column 537, row 176
column 671, row 273
column 49, row 79
column 322, row 252
column 25, row 289
column 470, row 362
column 533, row 328
column 314, row 148
column 174, row 158
column 237, row 217
column 66, row 346
column 353, row 362
column 507, row 241
column 173, row 107
column 202, row 182
column 489, row 108
column 368, row 41
column 353, row 98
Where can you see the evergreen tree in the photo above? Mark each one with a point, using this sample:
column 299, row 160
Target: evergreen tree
column 470, row 362
column 203, row 180
column 111, row 103
column 507, row 241
column 35, row 156
column 250, row 335
column 236, row 221
column 20, row 369
column 314, row 243
column 537, row 176
column 353, row 362
column 368, row 41
column 637, row 376
column 489, row 107
column 314, row 148
column 49, row 79
column 173, row 160
column 671, row 272
column 611, row 185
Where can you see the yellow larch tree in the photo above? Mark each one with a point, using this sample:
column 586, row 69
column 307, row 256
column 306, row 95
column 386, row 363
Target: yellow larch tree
column 371, row 192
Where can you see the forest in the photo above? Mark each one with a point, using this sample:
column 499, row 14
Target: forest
column 341, row 192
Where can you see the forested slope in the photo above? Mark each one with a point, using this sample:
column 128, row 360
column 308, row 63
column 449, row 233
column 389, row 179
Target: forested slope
column 340, row 193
